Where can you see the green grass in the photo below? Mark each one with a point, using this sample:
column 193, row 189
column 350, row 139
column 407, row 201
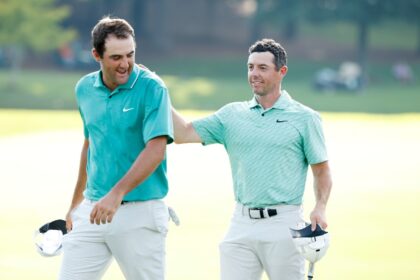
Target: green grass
column 373, row 209
column 207, row 89
column 39, row 90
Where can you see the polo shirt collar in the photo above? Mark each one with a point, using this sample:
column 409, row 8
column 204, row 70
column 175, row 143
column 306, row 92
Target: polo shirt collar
column 129, row 84
column 253, row 103
column 282, row 102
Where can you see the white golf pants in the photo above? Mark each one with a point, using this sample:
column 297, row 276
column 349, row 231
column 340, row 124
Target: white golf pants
column 135, row 238
column 253, row 245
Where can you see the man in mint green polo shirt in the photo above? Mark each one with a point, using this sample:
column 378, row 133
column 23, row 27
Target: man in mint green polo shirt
column 271, row 140
column 117, row 208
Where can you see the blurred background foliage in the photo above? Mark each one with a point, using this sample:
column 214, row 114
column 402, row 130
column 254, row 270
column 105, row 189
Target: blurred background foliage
column 200, row 49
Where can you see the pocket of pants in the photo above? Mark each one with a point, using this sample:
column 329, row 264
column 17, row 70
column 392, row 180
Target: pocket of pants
column 290, row 217
column 80, row 214
column 160, row 216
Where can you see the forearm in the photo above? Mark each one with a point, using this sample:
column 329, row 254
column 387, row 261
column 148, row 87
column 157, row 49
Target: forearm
column 145, row 164
column 82, row 177
column 322, row 189
column 184, row 131
column 77, row 194
column 322, row 185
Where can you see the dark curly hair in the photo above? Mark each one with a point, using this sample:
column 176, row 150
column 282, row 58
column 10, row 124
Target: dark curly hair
column 269, row 45
column 117, row 27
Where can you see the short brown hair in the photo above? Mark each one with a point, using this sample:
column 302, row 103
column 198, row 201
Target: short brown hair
column 269, row 45
column 117, row 27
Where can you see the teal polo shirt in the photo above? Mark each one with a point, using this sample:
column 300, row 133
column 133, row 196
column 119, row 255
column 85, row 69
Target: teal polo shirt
column 118, row 125
column 269, row 150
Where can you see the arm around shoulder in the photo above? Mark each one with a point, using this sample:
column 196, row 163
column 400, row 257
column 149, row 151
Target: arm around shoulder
column 184, row 131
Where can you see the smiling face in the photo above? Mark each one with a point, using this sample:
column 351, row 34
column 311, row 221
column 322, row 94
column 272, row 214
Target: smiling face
column 117, row 61
column 263, row 76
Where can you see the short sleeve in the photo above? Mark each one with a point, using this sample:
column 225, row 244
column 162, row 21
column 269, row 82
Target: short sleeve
column 85, row 130
column 158, row 119
column 77, row 90
column 314, row 142
column 210, row 129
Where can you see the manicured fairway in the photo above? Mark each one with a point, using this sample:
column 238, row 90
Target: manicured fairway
column 373, row 211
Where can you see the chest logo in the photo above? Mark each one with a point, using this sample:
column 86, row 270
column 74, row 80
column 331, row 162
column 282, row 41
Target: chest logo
column 127, row 109
column 280, row 121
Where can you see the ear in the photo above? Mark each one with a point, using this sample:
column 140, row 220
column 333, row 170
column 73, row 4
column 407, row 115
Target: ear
column 96, row 55
column 283, row 70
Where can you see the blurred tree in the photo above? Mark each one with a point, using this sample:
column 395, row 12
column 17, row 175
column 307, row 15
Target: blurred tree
column 362, row 13
column 31, row 25
column 149, row 18
column 139, row 18
column 283, row 15
column 409, row 10
column 287, row 15
column 257, row 20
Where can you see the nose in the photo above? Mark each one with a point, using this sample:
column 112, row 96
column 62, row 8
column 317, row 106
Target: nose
column 124, row 62
column 252, row 72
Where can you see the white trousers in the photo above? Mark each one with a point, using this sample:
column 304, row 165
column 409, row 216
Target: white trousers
column 135, row 238
column 252, row 246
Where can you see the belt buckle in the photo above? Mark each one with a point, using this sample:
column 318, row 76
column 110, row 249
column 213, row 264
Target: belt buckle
column 256, row 213
column 261, row 213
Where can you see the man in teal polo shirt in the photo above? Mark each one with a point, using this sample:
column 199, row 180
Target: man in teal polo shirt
column 270, row 140
column 117, row 208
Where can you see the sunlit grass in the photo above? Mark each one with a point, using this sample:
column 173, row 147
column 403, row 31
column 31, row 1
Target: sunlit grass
column 14, row 122
column 28, row 121
column 373, row 209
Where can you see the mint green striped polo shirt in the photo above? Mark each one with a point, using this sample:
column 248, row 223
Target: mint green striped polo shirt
column 269, row 150
column 118, row 125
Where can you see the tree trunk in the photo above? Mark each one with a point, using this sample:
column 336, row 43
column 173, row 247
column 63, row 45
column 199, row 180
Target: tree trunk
column 211, row 18
column 363, row 50
column 161, row 38
column 289, row 22
column 291, row 29
column 139, row 19
column 418, row 37
column 256, row 22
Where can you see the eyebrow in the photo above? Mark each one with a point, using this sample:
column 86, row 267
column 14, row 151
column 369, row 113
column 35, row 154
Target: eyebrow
column 256, row 64
column 116, row 55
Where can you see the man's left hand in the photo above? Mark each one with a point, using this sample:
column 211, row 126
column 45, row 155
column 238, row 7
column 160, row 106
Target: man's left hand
column 105, row 209
column 318, row 217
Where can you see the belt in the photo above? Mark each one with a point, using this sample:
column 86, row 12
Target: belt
column 261, row 213
column 128, row 201
column 122, row 202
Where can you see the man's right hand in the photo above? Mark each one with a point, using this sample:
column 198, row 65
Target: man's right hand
column 69, row 221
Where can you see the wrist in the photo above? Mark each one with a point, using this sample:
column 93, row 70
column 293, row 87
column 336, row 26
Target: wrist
column 320, row 206
column 72, row 207
column 119, row 191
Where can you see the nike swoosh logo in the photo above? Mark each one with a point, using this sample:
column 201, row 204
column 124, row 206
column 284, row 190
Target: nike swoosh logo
column 127, row 109
column 280, row 121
